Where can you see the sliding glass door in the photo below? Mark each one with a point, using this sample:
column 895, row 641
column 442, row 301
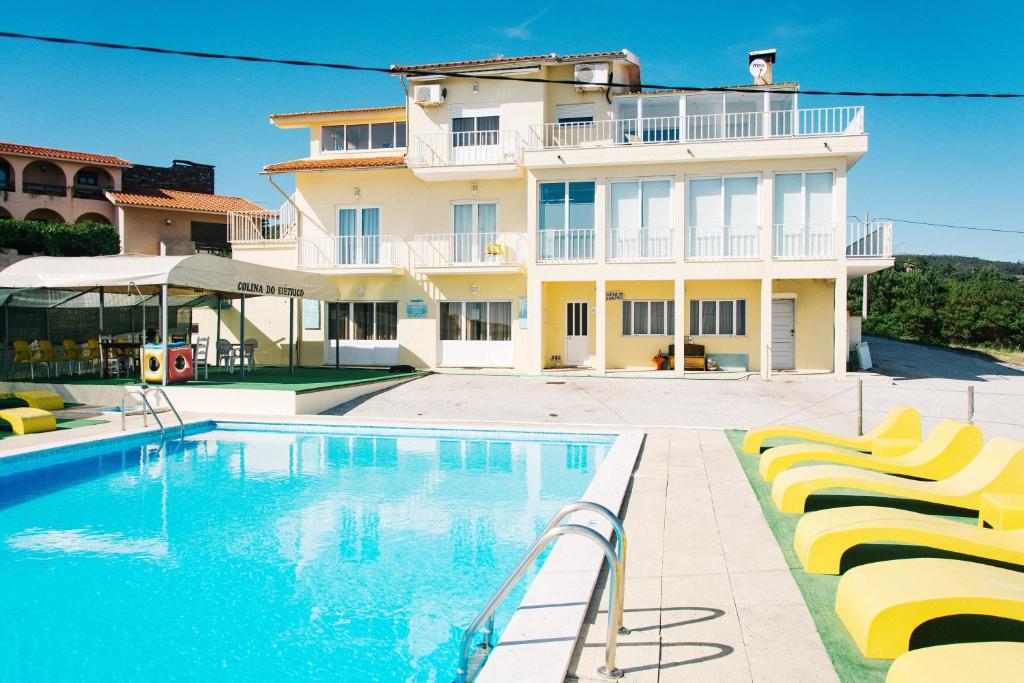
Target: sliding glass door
column 358, row 240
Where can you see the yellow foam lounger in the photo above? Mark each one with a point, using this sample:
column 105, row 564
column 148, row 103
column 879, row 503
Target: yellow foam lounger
column 946, row 451
column 901, row 423
column 989, row 662
column 998, row 468
column 881, row 604
column 823, row 537
column 43, row 400
column 28, row 420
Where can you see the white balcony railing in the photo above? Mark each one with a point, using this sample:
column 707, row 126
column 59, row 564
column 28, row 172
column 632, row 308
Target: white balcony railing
column 565, row 246
column 795, row 241
column 700, row 128
column 631, row 245
column 466, row 148
column 350, row 252
column 265, row 226
column 464, row 250
column 723, row 242
column 869, row 240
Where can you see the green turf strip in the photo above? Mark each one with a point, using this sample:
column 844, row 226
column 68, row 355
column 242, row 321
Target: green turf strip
column 819, row 590
column 62, row 423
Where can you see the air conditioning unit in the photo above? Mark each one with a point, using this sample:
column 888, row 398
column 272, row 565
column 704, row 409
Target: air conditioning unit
column 594, row 75
column 428, row 95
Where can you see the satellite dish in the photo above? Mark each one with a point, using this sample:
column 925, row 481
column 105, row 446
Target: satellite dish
column 758, row 69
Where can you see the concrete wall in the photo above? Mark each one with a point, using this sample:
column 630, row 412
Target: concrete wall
column 19, row 204
column 142, row 230
column 815, row 320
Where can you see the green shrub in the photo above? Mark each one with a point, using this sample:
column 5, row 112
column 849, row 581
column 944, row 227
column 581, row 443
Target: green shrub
column 59, row 239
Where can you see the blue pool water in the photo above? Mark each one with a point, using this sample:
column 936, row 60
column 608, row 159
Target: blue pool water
column 248, row 552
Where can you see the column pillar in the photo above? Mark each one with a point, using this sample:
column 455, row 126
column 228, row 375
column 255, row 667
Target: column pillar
column 841, row 335
column 679, row 331
column 600, row 226
column 766, row 328
column 535, row 323
column 601, row 323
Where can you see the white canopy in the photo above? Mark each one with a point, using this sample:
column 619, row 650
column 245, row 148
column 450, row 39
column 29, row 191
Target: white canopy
column 183, row 274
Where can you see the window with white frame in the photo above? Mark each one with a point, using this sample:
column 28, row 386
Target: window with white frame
column 355, row 136
column 476, row 320
column 566, row 221
column 722, row 217
column 803, row 215
column 718, row 317
column 648, row 318
column 363, row 320
column 475, row 124
column 575, row 113
column 474, row 226
column 641, row 219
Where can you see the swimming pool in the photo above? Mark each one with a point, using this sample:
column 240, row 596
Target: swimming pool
column 267, row 552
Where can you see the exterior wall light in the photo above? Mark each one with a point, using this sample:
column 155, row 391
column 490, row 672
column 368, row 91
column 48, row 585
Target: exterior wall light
column 355, row 192
column 474, row 188
column 473, row 288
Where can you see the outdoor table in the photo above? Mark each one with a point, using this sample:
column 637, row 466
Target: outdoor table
column 237, row 351
column 110, row 349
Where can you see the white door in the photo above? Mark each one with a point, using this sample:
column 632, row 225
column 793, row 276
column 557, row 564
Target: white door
column 783, row 334
column 577, row 333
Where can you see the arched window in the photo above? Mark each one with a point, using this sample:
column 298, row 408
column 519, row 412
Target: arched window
column 6, row 177
column 44, row 216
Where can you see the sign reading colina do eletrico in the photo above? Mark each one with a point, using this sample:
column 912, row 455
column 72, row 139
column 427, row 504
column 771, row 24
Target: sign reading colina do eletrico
column 269, row 289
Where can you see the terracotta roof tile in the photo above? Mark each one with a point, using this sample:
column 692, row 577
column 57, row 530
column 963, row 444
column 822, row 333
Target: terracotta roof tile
column 334, row 164
column 183, row 201
column 326, row 112
column 548, row 58
column 50, row 153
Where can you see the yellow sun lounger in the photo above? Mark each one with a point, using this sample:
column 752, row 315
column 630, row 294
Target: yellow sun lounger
column 43, row 400
column 28, row 420
column 823, row 537
column 901, row 423
column 946, row 451
column 989, row 662
column 998, row 468
column 881, row 604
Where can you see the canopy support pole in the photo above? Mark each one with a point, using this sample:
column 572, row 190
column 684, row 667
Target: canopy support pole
column 101, row 311
column 7, row 343
column 241, row 331
column 291, row 336
column 163, row 333
column 337, row 336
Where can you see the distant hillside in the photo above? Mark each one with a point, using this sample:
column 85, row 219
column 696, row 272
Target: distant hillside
column 967, row 262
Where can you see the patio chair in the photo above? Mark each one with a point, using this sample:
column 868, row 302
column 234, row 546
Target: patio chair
column 224, row 352
column 90, row 353
column 998, row 468
column 250, row 345
column 72, row 356
column 823, row 537
column 881, row 604
column 22, row 356
column 45, row 355
column 900, row 423
column 992, row 662
column 201, row 357
column 946, row 451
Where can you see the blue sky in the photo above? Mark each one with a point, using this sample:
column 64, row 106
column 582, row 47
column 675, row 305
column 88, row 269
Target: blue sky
column 947, row 161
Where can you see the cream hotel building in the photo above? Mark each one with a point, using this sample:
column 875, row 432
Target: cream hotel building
column 509, row 223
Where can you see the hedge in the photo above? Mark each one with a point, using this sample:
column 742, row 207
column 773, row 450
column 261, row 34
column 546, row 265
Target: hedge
column 59, row 239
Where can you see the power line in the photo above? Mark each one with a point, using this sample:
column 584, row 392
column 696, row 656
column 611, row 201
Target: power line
column 482, row 76
column 1009, row 231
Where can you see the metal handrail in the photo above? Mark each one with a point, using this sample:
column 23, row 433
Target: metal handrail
column 145, row 404
column 616, row 564
column 167, row 400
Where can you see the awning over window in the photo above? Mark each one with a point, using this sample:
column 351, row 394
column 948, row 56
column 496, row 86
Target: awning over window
column 185, row 275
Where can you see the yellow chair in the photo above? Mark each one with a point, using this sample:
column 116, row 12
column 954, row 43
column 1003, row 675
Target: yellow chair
column 881, row 604
column 946, row 451
column 997, row 662
column 822, row 537
column 72, row 355
column 22, row 356
column 45, row 355
column 91, row 353
column 28, row 420
column 998, row 468
column 41, row 399
column 900, row 423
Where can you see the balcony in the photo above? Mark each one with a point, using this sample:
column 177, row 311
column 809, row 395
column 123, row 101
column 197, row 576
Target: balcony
column 89, row 192
column 803, row 241
column 500, row 252
column 466, row 155
column 565, row 246
column 869, row 240
column 263, row 227
column 44, row 189
column 723, row 242
column 637, row 245
column 369, row 254
column 759, row 125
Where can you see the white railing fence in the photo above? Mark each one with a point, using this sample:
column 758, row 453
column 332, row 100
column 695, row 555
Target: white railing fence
column 469, row 249
column 572, row 245
column 869, row 240
column 254, row 227
column 723, row 242
column 466, row 148
column 640, row 244
column 700, row 128
column 349, row 251
column 804, row 241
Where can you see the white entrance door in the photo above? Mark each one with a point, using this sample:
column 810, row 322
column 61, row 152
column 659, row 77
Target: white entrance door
column 783, row 334
column 577, row 333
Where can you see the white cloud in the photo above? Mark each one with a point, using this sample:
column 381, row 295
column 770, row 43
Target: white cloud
column 522, row 30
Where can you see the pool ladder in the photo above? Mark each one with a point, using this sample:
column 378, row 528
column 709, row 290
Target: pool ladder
column 471, row 658
column 147, row 407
